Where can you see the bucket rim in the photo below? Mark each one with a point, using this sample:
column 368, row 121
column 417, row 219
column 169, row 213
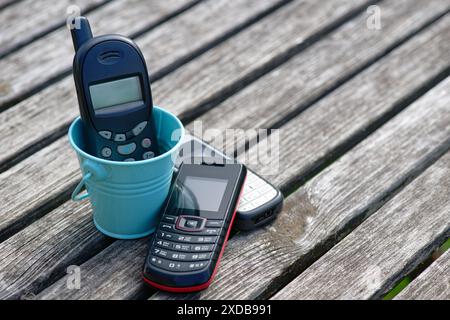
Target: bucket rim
column 131, row 163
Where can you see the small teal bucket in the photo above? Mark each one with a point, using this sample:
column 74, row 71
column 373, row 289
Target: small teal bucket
column 126, row 197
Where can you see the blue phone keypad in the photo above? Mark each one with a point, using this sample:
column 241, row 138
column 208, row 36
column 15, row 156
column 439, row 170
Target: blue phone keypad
column 146, row 143
column 126, row 149
column 139, row 128
column 148, row 155
column 120, row 137
column 106, row 152
column 129, row 148
column 105, row 134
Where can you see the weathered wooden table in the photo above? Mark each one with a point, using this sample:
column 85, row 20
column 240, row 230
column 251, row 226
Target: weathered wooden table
column 363, row 108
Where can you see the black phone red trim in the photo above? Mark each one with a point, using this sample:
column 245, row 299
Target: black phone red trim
column 205, row 285
column 201, row 286
column 178, row 226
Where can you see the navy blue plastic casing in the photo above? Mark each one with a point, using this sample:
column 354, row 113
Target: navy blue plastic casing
column 108, row 58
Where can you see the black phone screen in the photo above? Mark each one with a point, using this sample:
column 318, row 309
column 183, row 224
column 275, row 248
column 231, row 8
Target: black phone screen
column 202, row 193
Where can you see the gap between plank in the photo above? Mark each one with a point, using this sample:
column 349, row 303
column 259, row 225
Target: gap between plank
column 340, row 82
column 422, row 256
column 337, row 152
column 37, row 213
column 277, row 61
column 64, row 195
column 341, row 149
column 317, row 252
column 406, row 104
column 15, row 159
column 402, row 105
column 10, row 3
column 46, row 31
column 24, row 95
column 215, row 42
column 187, row 117
column 165, row 19
column 280, row 60
column 418, row 270
column 365, row 66
column 321, row 249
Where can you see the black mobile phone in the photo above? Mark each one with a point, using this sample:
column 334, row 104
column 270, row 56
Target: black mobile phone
column 196, row 220
column 261, row 201
column 114, row 96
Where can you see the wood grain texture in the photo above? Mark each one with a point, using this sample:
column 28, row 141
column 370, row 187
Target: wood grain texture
column 101, row 281
column 49, row 111
column 6, row 3
column 388, row 245
column 117, row 284
column 59, row 155
column 306, row 77
column 201, row 27
column 432, row 284
column 272, row 266
column 35, row 183
column 28, row 19
column 323, row 211
column 39, row 254
column 275, row 249
column 211, row 75
column 35, row 64
column 318, row 133
column 133, row 284
column 45, row 249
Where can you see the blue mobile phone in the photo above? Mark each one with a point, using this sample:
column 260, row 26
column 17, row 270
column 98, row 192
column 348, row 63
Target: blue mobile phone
column 114, row 96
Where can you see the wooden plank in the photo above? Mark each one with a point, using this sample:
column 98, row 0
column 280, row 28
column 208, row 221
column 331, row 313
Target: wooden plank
column 289, row 91
column 37, row 156
column 20, row 204
column 5, row 3
column 351, row 111
column 64, row 237
column 60, row 107
column 67, row 236
column 29, row 122
column 100, row 281
column 318, row 215
column 273, row 250
column 49, row 172
column 238, row 61
column 22, row 75
column 432, row 284
column 203, row 27
column 29, row 19
column 391, row 243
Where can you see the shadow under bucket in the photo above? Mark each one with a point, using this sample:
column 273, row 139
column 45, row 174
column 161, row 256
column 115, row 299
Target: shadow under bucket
column 126, row 197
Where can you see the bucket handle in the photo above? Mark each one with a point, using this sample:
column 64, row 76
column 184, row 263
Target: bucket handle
column 93, row 171
column 76, row 196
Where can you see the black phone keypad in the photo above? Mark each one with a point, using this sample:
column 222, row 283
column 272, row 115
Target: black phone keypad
column 176, row 266
column 185, row 243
